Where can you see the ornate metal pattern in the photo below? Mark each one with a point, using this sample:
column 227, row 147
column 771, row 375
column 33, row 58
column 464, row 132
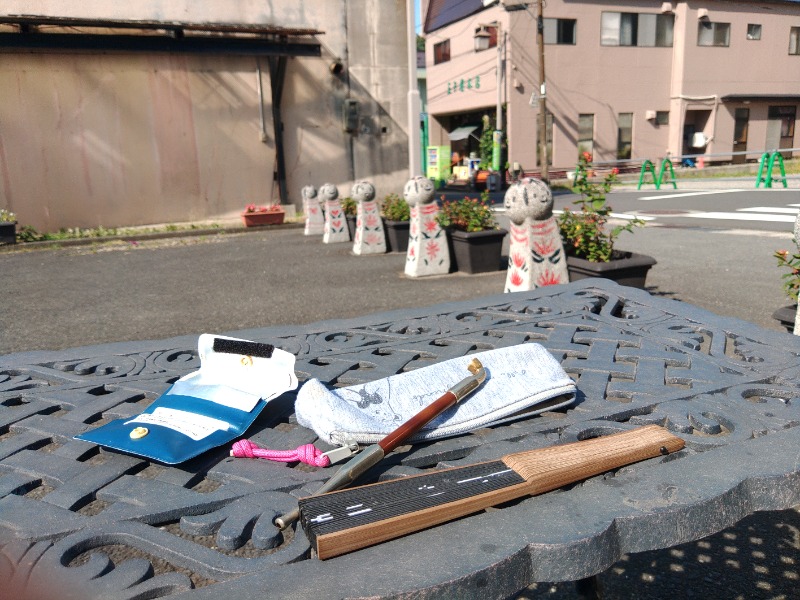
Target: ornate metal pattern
column 118, row 526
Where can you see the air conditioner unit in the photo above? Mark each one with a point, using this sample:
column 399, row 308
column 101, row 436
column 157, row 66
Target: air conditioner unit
column 702, row 14
column 699, row 140
column 512, row 5
column 650, row 115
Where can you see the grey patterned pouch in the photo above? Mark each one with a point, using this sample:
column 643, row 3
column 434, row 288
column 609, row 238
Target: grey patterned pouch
column 521, row 381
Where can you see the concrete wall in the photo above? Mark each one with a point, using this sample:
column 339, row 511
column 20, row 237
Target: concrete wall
column 117, row 139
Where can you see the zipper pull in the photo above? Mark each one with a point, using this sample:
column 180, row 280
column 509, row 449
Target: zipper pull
column 342, row 452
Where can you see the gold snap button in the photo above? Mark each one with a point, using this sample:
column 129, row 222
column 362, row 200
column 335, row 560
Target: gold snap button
column 139, row 432
column 247, row 361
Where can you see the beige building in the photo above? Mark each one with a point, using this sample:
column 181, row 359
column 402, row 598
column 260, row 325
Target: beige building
column 125, row 113
column 624, row 80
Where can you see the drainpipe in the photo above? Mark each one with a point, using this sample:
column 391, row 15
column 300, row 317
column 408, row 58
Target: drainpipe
column 414, row 106
column 261, row 115
column 277, row 76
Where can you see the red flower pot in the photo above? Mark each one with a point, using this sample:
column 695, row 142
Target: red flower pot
column 269, row 217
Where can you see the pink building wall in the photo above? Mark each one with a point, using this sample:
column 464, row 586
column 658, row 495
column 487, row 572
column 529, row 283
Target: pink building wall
column 590, row 78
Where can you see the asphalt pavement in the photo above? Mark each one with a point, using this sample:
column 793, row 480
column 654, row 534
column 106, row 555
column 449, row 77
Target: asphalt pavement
column 138, row 289
column 144, row 288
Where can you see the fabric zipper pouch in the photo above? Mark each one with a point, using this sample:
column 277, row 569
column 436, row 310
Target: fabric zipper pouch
column 521, row 381
column 207, row 408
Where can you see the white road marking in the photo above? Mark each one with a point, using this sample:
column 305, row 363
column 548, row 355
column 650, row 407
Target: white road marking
column 771, row 209
column 687, row 194
column 628, row 217
column 624, row 216
column 739, row 216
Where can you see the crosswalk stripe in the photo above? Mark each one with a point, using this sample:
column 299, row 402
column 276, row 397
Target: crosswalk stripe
column 740, row 216
column 623, row 216
column 770, row 209
column 687, row 194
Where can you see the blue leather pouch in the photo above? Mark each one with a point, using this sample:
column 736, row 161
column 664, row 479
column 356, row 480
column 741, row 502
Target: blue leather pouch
column 207, row 408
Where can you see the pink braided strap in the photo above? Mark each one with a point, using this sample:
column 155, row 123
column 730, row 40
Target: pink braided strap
column 307, row 453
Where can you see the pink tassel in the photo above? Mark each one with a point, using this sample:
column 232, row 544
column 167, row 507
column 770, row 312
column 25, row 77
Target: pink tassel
column 307, row 453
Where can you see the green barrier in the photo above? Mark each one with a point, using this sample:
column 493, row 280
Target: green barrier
column 664, row 164
column 770, row 159
column 648, row 166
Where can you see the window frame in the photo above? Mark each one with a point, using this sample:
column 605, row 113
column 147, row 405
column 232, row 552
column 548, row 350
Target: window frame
column 794, row 39
column 754, row 31
column 621, row 137
column 585, row 144
column 631, row 28
column 559, row 30
column 714, row 26
column 439, row 54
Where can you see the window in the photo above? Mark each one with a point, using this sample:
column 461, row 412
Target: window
column 794, row 41
column 753, row 31
column 585, row 134
column 624, row 135
column 441, row 52
column 662, row 117
column 785, row 116
column 634, row 29
column 742, row 117
column 560, row 31
column 713, row 34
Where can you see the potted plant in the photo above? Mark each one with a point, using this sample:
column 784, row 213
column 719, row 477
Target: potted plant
column 350, row 210
column 396, row 220
column 589, row 243
column 791, row 285
column 254, row 216
column 8, row 227
column 476, row 240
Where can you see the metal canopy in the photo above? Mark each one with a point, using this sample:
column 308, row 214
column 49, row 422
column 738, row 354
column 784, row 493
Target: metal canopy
column 461, row 133
column 756, row 97
column 43, row 32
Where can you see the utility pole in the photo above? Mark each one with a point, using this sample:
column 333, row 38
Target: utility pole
column 542, row 116
column 414, row 104
column 497, row 137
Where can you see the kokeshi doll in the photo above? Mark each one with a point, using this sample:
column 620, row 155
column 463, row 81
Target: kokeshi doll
column 369, row 236
column 428, row 253
column 335, row 229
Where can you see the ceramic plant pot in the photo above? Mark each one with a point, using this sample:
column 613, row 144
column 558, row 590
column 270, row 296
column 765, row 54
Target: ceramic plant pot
column 477, row 251
column 256, row 219
column 8, row 232
column 396, row 235
column 629, row 269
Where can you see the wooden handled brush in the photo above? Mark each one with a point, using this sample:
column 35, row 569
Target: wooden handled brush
column 347, row 520
column 373, row 454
